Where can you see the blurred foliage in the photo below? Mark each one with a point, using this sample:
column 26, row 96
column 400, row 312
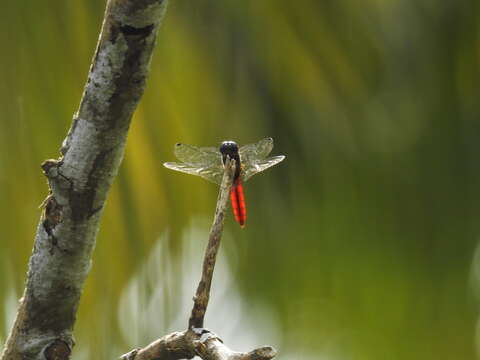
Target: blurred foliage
column 361, row 244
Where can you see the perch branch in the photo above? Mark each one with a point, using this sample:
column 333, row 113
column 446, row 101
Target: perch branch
column 197, row 340
column 79, row 182
column 203, row 290
column 192, row 342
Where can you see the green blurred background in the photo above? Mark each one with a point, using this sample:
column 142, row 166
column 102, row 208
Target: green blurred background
column 361, row 245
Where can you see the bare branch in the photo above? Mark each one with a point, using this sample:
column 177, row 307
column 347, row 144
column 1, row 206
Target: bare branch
column 201, row 342
column 203, row 290
column 79, row 182
column 197, row 340
column 177, row 345
column 211, row 347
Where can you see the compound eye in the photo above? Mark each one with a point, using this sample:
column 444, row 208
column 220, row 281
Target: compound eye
column 223, row 147
column 228, row 146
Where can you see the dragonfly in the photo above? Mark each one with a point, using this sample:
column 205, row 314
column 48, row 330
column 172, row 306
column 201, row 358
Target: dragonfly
column 208, row 163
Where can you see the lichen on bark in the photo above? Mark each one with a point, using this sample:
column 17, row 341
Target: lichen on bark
column 80, row 179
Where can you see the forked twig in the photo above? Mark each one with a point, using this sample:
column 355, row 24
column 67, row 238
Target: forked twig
column 196, row 340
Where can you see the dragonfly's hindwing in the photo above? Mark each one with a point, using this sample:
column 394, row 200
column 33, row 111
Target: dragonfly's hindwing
column 260, row 165
column 254, row 158
column 201, row 161
column 211, row 173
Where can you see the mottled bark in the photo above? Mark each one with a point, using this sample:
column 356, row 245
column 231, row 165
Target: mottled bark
column 195, row 342
column 79, row 182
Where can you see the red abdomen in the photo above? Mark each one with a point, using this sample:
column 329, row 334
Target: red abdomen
column 238, row 202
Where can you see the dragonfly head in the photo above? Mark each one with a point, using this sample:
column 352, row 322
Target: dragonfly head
column 230, row 148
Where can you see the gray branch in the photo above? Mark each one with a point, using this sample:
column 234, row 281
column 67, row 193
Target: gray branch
column 197, row 341
column 79, row 182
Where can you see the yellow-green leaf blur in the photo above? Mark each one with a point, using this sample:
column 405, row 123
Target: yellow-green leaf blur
column 361, row 245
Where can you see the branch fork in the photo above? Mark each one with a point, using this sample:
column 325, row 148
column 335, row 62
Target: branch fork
column 196, row 340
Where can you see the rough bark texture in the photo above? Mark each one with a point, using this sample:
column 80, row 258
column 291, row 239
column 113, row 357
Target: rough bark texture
column 79, row 182
column 211, row 347
column 195, row 342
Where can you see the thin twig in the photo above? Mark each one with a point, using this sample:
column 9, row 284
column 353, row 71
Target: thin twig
column 197, row 340
column 203, row 290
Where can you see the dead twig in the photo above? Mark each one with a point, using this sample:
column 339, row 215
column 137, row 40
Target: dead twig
column 203, row 290
column 197, row 340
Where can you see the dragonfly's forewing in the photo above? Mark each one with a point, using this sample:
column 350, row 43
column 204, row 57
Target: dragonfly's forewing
column 197, row 156
column 201, row 161
column 253, row 157
column 257, row 151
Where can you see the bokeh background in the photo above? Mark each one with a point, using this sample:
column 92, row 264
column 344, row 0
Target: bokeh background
column 362, row 244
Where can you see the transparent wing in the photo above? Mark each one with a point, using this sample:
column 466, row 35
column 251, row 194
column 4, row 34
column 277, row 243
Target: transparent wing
column 210, row 173
column 206, row 162
column 260, row 165
column 254, row 158
column 258, row 151
column 201, row 161
column 197, row 156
